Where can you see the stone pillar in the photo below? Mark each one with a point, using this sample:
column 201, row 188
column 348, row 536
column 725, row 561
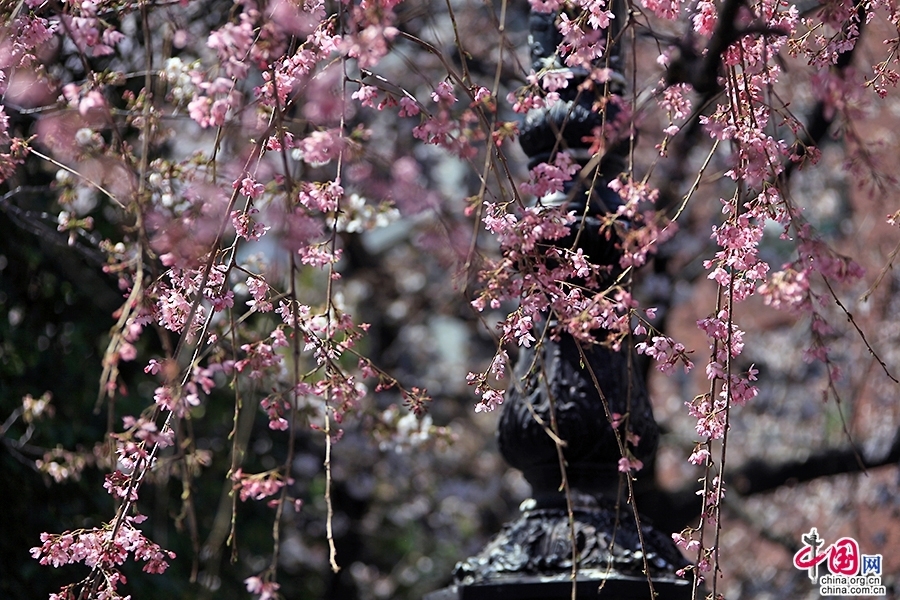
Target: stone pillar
column 557, row 382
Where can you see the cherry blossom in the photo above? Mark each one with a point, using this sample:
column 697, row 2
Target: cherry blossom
column 242, row 192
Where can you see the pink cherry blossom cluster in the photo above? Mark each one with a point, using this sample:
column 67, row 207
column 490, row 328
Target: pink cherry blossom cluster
column 664, row 9
column 549, row 178
column 265, row 588
column 217, row 106
column 258, row 486
column 675, row 100
column 175, row 299
column 686, row 541
column 629, row 462
column 246, row 227
column 289, row 73
column 536, row 273
column 737, row 270
column 26, row 33
column 753, row 126
column 184, row 226
column 667, row 352
column 491, row 396
column 260, row 357
column 18, row 148
column 445, row 127
column 268, row 168
column 276, row 408
column 92, row 35
column 638, row 226
column 583, row 42
column 737, row 267
column 695, row 540
column 791, row 289
column 103, row 551
column 259, row 293
column 758, row 154
column 144, row 430
column 283, row 155
column 544, row 278
column 531, row 97
column 835, row 30
column 705, row 18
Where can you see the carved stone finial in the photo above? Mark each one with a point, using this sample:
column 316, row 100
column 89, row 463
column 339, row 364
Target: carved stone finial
column 561, row 380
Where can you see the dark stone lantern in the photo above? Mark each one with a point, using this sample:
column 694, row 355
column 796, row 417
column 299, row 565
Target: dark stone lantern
column 594, row 527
